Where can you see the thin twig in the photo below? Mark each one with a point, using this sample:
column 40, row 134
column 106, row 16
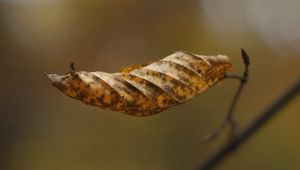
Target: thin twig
column 229, row 116
column 72, row 68
column 253, row 127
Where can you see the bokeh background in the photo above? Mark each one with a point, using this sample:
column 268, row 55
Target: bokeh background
column 42, row 129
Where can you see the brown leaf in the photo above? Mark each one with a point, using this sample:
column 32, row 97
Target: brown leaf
column 143, row 90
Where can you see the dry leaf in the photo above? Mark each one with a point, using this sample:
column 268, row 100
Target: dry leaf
column 143, row 90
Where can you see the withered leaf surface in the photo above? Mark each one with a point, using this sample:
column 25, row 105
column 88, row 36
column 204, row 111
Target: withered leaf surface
column 145, row 89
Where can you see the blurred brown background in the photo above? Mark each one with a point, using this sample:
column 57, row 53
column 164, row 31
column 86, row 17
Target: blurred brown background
column 42, row 129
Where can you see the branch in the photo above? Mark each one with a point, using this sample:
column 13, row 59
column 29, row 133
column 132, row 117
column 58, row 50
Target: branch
column 229, row 120
column 253, row 127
